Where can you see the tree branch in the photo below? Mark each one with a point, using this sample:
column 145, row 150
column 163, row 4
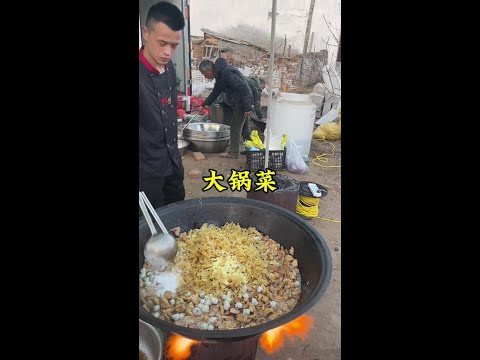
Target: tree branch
column 328, row 26
column 327, row 43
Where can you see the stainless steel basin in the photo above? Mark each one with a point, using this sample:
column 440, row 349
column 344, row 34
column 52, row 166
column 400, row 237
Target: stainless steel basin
column 206, row 131
column 149, row 341
column 182, row 146
column 209, row 146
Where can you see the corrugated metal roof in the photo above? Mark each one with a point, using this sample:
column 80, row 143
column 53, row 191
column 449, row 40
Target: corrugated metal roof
column 229, row 39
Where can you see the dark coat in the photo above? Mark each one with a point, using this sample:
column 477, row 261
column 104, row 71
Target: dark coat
column 231, row 81
column 157, row 120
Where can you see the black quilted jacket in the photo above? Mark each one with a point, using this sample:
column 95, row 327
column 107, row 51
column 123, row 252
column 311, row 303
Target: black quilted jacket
column 231, row 81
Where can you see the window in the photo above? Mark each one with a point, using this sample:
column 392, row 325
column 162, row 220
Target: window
column 210, row 51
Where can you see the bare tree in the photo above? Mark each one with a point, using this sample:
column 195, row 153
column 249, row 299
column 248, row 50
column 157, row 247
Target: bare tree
column 316, row 65
column 336, row 37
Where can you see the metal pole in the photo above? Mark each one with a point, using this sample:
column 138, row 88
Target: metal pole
column 270, row 82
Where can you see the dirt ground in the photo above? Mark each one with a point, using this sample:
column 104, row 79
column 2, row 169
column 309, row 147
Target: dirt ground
column 323, row 341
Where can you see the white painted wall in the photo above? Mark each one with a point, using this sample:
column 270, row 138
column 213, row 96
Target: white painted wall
column 291, row 19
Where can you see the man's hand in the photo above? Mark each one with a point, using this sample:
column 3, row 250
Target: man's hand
column 247, row 113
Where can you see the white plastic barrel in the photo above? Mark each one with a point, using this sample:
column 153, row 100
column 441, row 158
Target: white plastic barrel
column 294, row 115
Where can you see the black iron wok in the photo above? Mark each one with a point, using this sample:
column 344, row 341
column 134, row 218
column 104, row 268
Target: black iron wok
column 285, row 227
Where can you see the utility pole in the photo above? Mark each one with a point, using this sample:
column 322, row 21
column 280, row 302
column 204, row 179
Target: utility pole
column 307, row 36
column 311, row 42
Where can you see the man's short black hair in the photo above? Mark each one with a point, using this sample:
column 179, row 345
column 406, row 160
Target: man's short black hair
column 166, row 13
column 205, row 65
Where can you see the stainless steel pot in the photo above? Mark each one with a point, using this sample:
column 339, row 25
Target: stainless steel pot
column 216, row 114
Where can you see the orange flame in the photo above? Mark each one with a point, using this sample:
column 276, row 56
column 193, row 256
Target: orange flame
column 178, row 347
column 274, row 339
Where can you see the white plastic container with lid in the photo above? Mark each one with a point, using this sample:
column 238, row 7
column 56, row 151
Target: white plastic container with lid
column 294, row 115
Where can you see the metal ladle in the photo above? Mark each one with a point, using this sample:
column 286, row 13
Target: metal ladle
column 161, row 249
column 189, row 121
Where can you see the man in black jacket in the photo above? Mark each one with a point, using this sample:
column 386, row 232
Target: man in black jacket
column 257, row 114
column 161, row 170
column 238, row 99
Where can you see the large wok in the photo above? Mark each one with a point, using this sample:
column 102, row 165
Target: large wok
column 285, row 227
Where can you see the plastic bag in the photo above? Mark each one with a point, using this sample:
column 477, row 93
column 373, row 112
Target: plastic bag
column 330, row 131
column 330, row 116
column 255, row 143
column 196, row 105
column 294, row 160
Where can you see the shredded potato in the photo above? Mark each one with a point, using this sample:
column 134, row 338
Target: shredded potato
column 229, row 278
column 216, row 260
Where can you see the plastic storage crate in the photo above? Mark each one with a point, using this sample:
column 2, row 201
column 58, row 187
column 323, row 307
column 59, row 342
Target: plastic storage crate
column 276, row 159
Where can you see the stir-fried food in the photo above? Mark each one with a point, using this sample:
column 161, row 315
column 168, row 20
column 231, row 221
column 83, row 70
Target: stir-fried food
column 223, row 278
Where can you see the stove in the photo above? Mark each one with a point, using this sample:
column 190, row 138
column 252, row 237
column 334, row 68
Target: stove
column 231, row 349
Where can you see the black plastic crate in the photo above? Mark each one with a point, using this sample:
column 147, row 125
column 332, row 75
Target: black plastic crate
column 276, row 159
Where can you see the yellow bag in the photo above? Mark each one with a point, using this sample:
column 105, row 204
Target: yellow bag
column 256, row 140
column 328, row 131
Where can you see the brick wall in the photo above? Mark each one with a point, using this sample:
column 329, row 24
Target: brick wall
column 285, row 70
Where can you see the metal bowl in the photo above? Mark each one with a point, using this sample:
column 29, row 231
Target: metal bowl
column 149, row 341
column 182, row 146
column 209, row 146
column 206, row 131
